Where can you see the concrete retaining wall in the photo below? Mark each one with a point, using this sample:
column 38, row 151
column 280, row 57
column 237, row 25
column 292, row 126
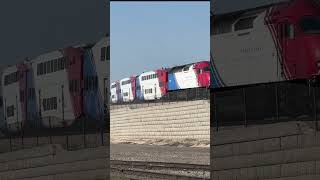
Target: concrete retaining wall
column 174, row 121
column 281, row 151
column 54, row 162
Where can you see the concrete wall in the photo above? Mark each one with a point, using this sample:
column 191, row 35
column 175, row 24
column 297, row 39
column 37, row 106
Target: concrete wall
column 174, row 121
column 69, row 142
column 54, row 162
column 286, row 151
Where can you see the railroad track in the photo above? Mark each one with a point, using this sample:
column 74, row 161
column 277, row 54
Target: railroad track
column 159, row 170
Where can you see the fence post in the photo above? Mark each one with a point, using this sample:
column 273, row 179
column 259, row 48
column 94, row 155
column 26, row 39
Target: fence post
column 102, row 137
column 215, row 111
column 277, row 102
column 244, row 107
column 10, row 143
column 22, row 133
column 315, row 106
column 50, row 136
column 84, row 132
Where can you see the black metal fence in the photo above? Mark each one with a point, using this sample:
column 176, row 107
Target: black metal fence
column 265, row 103
column 173, row 96
column 81, row 133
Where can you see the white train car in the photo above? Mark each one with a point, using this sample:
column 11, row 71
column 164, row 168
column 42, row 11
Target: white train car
column 57, row 86
column 96, row 70
column 114, row 90
column 127, row 92
column 149, row 84
column 101, row 56
column 11, row 92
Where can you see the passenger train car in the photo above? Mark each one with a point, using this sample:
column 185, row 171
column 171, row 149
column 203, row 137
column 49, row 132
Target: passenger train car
column 156, row 84
column 115, row 92
column 127, row 89
column 273, row 43
column 57, row 88
column 19, row 101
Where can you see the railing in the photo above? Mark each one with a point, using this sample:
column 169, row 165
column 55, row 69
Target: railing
column 265, row 103
column 82, row 133
column 174, row 96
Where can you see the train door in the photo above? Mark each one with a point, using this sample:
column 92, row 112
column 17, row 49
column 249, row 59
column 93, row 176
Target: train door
column 105, row 91
column 289, row 48
column 203, row 74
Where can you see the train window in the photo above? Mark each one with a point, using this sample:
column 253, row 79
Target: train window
column 55, row 65
column 108, row 53
column 310, row 24
column 289, row 31
column 10, row 111
column 44, row 104
column 52, row 65
column 245, row 23
column 206, row 69
column 125, row 94
column 221, row 27
column 103, row 53
column 185, row 68
column 55, row 103
column 21, row 96
column 64, row 63
column 38, row 69
column 41, row 68
column 11, row 78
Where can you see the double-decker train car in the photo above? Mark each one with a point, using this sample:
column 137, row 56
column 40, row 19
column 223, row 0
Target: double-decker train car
column 127, row 90
column 57, row 83
column 58, row 88
column 277, row 42
column 156, row 84
column 19, row 101
column 96, row 80
column 115, row 92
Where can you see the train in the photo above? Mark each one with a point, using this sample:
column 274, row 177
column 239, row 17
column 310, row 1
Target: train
column 273, row 43
column 154, row 85
column 57, row 89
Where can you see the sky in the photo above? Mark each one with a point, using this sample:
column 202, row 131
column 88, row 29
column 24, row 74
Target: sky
column 30, row 28
column 146, row 36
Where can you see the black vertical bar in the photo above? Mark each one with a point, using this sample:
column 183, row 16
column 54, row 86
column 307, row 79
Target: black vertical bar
column 26, row 96
column 40, row 116
column 102, row 137
column 62, row 99
column 84, row 132
column 244, row 106
column 277, row 103
column 22, row 134
column 67, row 139
column 10, row 142
column 17, row 112
column 215, row 111
column 50, row 135
column 315, row 107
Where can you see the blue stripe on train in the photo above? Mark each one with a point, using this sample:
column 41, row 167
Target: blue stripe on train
column 32, row 104
column 172, row 82
column 93, row 105
column 138, row 89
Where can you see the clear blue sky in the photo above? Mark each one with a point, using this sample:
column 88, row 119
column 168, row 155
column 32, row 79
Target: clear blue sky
column 149, row 35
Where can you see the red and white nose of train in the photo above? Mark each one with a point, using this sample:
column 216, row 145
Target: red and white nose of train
column 299, row 36
column 310, row 41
